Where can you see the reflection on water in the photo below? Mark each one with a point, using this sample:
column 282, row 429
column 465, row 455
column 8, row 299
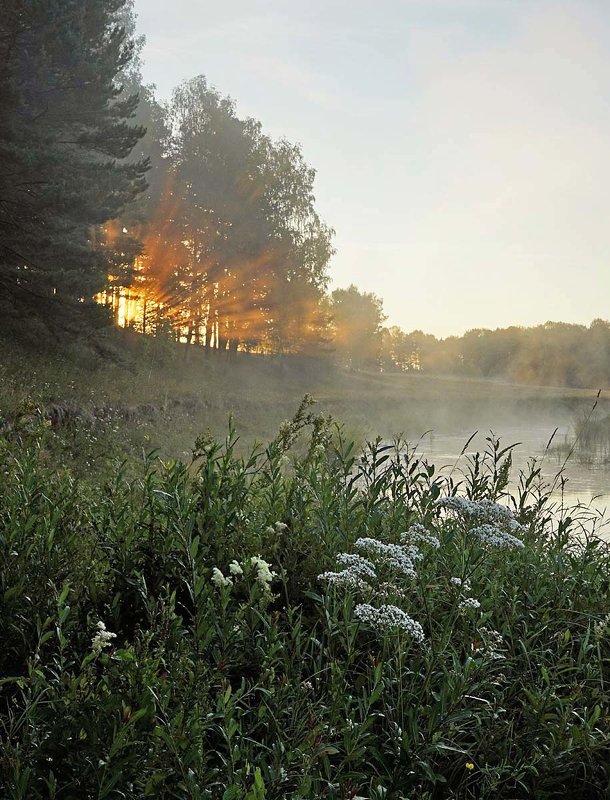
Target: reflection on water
column 586, row 479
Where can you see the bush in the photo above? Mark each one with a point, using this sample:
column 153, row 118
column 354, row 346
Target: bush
column 333, row 624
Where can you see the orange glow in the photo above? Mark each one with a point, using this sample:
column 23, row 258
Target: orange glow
column 193, row 289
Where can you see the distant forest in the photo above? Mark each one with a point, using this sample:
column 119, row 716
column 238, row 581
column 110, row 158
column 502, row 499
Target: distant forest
column 182, row 220
column 553, row 354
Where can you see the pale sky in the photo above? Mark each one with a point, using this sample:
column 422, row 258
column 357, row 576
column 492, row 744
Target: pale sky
column 462, row 147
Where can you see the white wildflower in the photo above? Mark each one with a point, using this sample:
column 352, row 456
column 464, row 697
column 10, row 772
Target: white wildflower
column 358, row 564
column 347, row 578
column 393, row 555
column 601, row 627
column 476, row 510
column 495, row 524
column 389, row 617
column 413, row 552
column 493, row 536
column 464, row 584
column 469, row 602
column 101, row 639
column 418, row 534
column 387, row 590
column 280, row 527
column 356, row 570
column 264, row 575
column 235, row 568
column 493, row 643
column 218, row 579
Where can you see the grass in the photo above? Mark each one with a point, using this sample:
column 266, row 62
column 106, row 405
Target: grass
column 229, row 669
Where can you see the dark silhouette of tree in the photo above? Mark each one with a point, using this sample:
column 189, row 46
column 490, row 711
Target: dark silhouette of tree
column 66, row 131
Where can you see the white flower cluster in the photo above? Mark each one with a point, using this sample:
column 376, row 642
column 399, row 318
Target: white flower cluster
column 469, row 602
column 347, row 579
column 417, row 534
column 276, row 528
column 480, row 510
column 360, row 571
column 218, row 579
column 387, row 590
column 264, row 575
column 495, row 524
column 388, row 617
column 358, row 564
column 464, row 584
column 396, row 556
column 494, row 643
column 355, row 570
column 465, row 587
column 101, row 639
column 493, row 536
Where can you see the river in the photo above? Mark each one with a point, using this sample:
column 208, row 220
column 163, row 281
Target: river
column 587, row 476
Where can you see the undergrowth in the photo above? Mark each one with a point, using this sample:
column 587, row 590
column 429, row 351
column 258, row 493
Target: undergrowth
column 174, row 630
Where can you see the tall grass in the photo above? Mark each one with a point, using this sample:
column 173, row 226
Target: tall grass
column 594, row 437
column 235, row 671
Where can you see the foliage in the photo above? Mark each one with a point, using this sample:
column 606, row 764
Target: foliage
column 553, row 354
column 357, row 322
column 65, row 134
column 235, row 254
column 224, row 680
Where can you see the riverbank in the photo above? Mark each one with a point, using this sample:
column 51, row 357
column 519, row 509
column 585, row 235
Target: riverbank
column 151, row 396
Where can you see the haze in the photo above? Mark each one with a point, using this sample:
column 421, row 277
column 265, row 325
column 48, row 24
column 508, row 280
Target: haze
column 462, row 147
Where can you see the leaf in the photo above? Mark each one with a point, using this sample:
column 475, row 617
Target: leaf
column 124, row 655
column 153, row 783
column 258, row 790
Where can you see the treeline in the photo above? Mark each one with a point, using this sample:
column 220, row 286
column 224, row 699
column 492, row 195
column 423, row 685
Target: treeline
column 177, row 219
column 553, row 354
column 234, row 254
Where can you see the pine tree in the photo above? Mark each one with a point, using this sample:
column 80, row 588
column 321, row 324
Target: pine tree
column 66, row 132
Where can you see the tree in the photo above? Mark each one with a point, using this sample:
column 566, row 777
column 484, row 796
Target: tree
column 65, row 134
column 301, row 246
column 357, row 318
column 236, row 247
column 407, row 352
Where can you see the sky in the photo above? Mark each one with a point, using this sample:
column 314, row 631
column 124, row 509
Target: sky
column 462, row 147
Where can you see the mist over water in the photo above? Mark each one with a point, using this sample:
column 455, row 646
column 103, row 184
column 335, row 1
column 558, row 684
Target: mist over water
column 586, row 480
column 561, row 434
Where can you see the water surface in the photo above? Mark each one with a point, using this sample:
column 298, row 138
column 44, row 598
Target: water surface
column 586, row 475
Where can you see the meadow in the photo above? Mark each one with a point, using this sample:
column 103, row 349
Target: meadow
column 306, row 618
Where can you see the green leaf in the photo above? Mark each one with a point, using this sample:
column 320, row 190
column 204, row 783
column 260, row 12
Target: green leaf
column 124, row 655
